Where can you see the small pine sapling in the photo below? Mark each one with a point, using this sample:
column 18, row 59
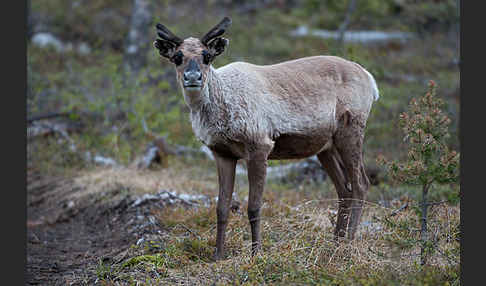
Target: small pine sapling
column 429, row 159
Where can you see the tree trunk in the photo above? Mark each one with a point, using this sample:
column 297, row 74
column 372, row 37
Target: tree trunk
column 423, row 231
column 458, row 33
column 138, row 41
column 30, row 29
column 347, row 19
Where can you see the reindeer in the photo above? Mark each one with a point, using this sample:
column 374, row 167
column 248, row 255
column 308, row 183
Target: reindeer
column 295, row 109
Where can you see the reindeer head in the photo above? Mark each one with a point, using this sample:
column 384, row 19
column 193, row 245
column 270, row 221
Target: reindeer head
column 192, row 57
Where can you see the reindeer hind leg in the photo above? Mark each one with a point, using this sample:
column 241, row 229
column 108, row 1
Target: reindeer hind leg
column 349, row 142
column 332, row 164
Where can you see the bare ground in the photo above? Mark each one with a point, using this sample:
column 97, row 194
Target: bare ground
column 68, row 238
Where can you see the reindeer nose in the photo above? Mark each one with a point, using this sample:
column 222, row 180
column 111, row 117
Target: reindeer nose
column 192, row 75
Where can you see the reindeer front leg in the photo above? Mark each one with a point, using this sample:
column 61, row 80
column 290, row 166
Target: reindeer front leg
column 226, row 176
column 257, row 170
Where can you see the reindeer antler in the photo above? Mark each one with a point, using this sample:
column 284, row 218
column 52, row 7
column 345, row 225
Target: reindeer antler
column 167, row 35
column 217, row 31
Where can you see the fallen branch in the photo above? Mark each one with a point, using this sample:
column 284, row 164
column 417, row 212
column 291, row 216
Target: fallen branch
column 436, row 203
column 190, row 231
column 48, row 116
column 159, row 149
column 403, row 207
column 38, row 129
column 78, row 114
column 47, row 129
column 304, row 169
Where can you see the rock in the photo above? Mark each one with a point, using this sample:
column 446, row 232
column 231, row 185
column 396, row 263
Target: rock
column 144, row 199
column 106, row 161
column 69, row 205
column 171, row 198
column 84, row 49
column 45, row 40
column 308, row 169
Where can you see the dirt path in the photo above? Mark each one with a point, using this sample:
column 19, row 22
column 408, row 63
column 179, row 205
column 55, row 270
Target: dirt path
column 66, row 239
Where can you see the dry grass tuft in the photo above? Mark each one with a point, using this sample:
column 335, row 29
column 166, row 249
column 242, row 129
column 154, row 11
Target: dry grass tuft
column 189, row 181
column 298, row 247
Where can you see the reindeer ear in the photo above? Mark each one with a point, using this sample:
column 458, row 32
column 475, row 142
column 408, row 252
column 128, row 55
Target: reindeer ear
column 217, row 46
column 166, row 48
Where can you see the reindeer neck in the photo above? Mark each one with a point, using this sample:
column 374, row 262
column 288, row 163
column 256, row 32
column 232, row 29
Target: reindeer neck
column 214, row 88
column 211, row 110
column 211, row 97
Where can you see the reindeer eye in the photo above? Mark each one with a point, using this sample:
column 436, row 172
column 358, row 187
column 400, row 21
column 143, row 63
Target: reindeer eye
column 177, row 58
column 206, row 57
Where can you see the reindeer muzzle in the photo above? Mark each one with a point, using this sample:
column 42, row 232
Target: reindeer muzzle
column 192, row 75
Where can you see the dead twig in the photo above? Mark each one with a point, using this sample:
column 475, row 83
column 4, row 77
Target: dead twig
column 403, row 207
column 47, row 116
column 190, row 231
column 436, row 203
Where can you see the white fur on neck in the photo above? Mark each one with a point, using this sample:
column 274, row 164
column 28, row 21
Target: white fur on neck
column 202, row 109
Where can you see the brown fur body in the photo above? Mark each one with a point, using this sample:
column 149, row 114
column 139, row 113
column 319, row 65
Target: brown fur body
column 304, row 100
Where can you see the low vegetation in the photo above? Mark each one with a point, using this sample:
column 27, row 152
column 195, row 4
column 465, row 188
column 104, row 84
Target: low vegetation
column 298, row 248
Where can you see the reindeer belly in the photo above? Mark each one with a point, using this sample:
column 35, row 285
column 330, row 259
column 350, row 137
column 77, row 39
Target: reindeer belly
column 298, row 146
column 229, row 149
column 304, row 136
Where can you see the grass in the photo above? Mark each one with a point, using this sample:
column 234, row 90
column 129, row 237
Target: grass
column 297, row 239
column 298, row 247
